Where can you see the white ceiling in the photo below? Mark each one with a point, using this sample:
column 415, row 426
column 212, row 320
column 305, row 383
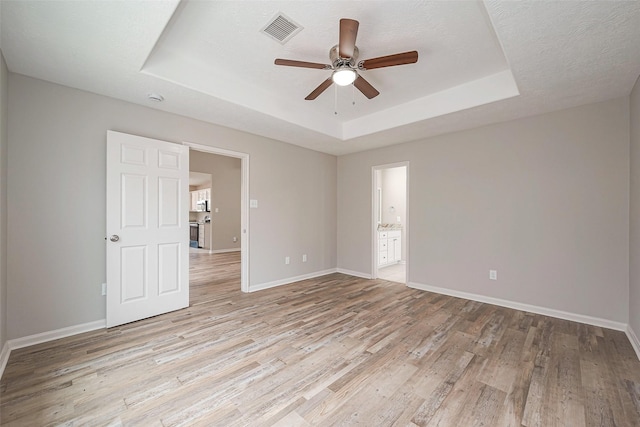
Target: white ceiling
column 479, row 62
column 197, row 179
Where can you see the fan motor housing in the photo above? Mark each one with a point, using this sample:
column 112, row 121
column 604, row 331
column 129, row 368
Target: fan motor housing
column 338, row 61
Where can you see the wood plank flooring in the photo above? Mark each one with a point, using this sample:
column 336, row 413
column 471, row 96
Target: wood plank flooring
column 335, row 350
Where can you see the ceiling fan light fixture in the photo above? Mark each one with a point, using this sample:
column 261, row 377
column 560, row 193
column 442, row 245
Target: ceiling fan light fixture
column 344, row 76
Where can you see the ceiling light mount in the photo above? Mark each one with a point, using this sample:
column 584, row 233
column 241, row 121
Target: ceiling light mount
column 155, row 97
column 337, row 60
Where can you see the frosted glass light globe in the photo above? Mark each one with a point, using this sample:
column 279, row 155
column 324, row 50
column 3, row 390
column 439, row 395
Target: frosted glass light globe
column 344, row 76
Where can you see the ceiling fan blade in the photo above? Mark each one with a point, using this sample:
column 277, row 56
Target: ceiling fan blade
column 365, row 87
column 389, row 60
column 348, row 34
column 317, row 91
column 302, row 64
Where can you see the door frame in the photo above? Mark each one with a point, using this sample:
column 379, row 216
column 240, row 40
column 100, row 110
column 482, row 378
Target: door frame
column 374, row 221
column 244, row 204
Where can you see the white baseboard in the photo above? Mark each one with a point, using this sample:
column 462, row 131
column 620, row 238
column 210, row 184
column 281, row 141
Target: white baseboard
column 4, row 357
column 44, row 337
column 288, row 280
column 581, row 318
column 223, row 251
column 57, row 334
column 633, row 338
column 353, row 273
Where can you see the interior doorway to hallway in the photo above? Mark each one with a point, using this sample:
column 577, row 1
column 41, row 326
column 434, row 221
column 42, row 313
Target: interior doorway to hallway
column 224, row 216
column 390, row 211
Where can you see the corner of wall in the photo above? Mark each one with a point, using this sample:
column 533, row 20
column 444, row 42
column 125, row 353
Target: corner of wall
column 3, row 211
column 633, row 339
column 634, row 212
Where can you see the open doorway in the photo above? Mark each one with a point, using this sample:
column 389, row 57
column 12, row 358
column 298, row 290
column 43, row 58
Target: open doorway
column 200, row 185
column 390, row 221
column 218, row 214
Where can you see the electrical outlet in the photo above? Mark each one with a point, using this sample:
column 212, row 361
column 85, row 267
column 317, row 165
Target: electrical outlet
column 287, row 260
column 493, row 274
column 217, row 210
column 304, row 258
column 104, row 289
column 235, row 239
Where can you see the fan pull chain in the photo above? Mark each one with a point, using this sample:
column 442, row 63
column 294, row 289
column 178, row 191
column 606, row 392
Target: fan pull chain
column 335, row 100
column 353, row 94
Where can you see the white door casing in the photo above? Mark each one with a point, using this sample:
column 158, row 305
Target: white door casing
column 147, row 227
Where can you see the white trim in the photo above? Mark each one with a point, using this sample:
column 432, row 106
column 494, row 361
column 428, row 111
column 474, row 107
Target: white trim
column 353, row 273
column 376, row 205
column 581, row 318
column 215, row 150
column 633, row 339
column 224, row 251
column 288, row 280
column 244, row 205
column 30, row 340
column 57, row 334
column 4, row 357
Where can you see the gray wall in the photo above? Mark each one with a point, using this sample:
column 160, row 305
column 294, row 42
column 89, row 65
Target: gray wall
column 56, row 200
column 543, row 200
column 634, row 215
column 3, row 200
column 226, row 181
column 394, row 185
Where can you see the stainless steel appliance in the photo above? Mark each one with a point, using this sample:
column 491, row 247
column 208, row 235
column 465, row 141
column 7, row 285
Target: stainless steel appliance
column 202, row 206
column 193, row 234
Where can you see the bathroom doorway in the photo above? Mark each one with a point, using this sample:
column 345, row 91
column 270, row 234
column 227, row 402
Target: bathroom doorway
column 390, row 221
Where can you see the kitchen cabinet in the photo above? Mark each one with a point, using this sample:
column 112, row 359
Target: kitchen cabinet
column 201, row 235
column 204, row 235
column 389, row 247
column 194, row 200
column 204, row 194
column 207, row 235
column 199, row 196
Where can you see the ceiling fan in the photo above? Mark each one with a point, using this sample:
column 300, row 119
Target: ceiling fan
column 345, row 64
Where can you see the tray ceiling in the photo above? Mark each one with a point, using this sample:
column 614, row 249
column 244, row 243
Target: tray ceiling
column 479, row 62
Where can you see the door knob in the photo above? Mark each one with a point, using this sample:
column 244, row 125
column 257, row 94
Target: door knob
column 114, row 238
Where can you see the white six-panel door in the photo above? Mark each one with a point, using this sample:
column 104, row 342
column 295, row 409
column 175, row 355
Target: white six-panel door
column 147, row 227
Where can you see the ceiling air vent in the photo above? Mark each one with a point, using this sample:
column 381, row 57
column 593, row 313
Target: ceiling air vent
column 281, row 28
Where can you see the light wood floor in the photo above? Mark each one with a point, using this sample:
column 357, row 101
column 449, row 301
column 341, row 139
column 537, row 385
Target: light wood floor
column 336, row 350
